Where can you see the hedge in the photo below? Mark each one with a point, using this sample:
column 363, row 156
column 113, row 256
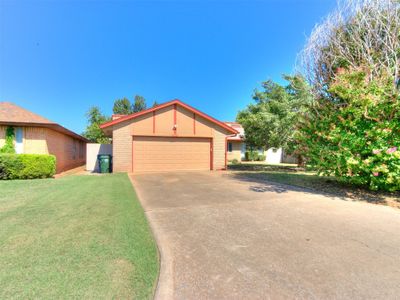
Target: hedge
column 27, row 166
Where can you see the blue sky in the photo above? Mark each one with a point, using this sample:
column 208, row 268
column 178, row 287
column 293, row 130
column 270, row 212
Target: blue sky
column 59, row 58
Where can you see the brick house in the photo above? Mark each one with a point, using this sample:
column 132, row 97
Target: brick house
column 172, row 136
column 37, row 135
column 236, row 146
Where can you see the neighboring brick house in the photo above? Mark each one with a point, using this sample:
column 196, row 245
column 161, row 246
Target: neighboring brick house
column 237, row 148
column 37, row 135
column 169, row 137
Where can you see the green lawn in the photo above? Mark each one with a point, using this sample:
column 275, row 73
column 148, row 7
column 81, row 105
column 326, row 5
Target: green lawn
column 291, row 175
column 75, row 237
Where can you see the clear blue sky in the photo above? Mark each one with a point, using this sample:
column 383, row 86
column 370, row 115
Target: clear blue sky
column 60, row 58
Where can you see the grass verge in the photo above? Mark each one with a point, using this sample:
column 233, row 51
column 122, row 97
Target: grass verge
column 291, row 175
column 75, row 237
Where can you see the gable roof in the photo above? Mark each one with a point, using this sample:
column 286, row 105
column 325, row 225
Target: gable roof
column 166, row 104
column 12, row 114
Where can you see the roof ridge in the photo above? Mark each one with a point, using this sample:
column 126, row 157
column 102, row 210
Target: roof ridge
column 166, row 104
column 23, row 115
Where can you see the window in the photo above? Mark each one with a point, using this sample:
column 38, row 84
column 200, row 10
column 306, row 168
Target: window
column 243, row 150
column 74, row 149
column 19, row 144
column 229, row 147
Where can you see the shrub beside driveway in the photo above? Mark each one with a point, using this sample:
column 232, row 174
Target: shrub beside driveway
column 75, row 237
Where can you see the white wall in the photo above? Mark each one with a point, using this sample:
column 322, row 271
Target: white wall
column 92, row 150
column 274, row 156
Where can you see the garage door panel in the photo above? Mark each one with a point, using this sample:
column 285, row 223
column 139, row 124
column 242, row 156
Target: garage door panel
column 152, row 154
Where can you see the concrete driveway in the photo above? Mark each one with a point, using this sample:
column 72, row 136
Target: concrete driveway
column 221, row 237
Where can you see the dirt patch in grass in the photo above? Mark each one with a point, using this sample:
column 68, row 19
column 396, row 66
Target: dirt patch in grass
column 121, row 281
column 292, row 175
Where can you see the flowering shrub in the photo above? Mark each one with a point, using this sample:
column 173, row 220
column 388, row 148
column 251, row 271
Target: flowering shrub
column 354, row 132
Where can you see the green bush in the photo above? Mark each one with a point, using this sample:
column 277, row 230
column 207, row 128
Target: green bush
column 261, row 157
column 355, row 136
column 27, row 166
column 253, row 156
column 235, row 161
column 249, row 155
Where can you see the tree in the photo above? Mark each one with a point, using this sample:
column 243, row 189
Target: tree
column 271, row 121
column 139, row 104
column 122, row 106
column 155, row 103
column 359, row 33
column 93, row 132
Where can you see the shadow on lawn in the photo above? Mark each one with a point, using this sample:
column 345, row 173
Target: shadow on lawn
column 251, row 166
column 262, row 188
column 293, row 180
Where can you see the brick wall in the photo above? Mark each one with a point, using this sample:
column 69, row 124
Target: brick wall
column 70, row 152
column 122, row 147
column 35, row 140
column 2, row 135
column 219, row 148
column 236, row 151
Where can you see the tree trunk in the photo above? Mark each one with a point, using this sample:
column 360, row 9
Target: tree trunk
column 300, row 161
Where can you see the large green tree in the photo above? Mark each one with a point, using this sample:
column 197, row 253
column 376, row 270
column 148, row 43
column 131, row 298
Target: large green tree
column 122, row 106
column 139, row 104
column 271, row 121
column 93, row 132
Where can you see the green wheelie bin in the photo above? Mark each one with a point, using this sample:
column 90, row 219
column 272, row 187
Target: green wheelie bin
column 105, row 163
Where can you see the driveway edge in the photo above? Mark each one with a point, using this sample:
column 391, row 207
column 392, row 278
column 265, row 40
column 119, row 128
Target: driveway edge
column 164, row 286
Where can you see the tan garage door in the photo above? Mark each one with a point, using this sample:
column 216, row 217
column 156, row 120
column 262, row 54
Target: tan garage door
column 151, row 154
